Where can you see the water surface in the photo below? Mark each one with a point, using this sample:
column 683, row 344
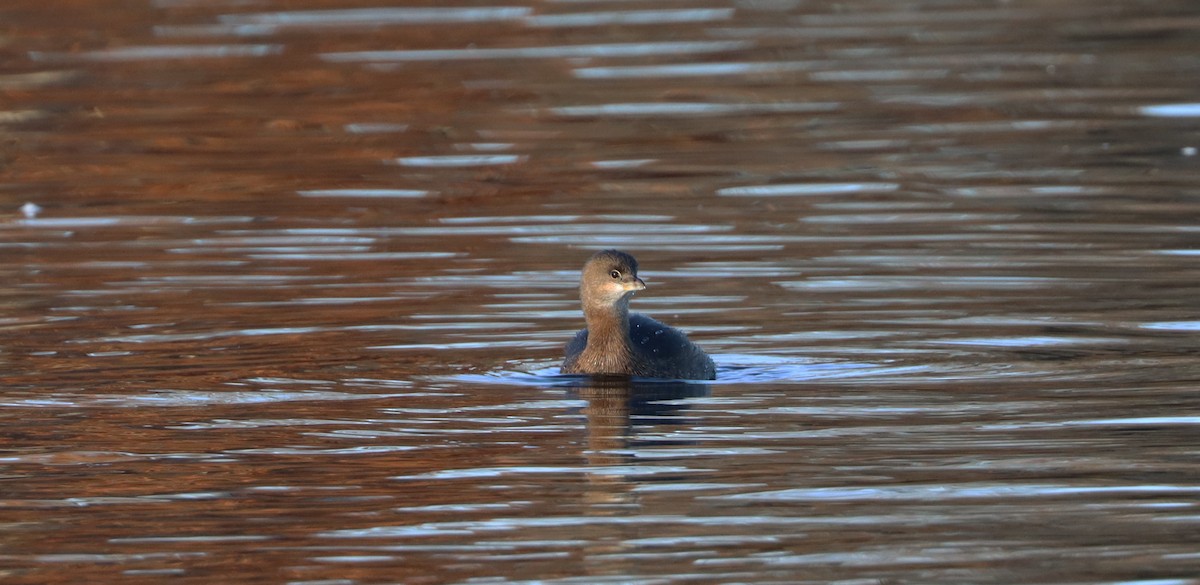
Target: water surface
column 285, row 287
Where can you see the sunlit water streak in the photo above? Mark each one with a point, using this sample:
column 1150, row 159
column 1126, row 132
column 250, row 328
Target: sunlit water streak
column 544, row 52
column 156, row 52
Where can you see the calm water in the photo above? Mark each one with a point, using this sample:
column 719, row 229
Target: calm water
column 287, row 299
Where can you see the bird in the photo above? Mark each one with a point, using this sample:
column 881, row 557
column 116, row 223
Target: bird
column 617, row 342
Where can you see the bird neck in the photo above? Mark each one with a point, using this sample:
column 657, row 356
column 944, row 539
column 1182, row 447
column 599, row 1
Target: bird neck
column 608, row 330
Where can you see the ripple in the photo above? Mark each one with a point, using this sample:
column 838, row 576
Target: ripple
column 649, row 49
column 1147, row 421
column 279, row 240
column 461, row 508
column 540, row 225
column 192, row 539
column 807, row 189
column 19, row 116
column 375, row 128
column 492, row 472
column 309, row 451
column 692, row 541
column 865, row 144
column 912, row 217
column 222, row 423
column 1171, row 110
column 809, row 33
column 879, row 75
column 741, row 368
column 1032, row 190
column 122, row 220
column 356, row 256
column 511, row 219
column 993, row 126
column 1172, row 325
column 622, row 164
column 630, row 17
column 691, row 70
column 893, row 283
column 315, row 301
column 486, row 146
column 635, row 238
column 687, row 109
column 737, row 269
column 386, row 193
column 488, row 343
column 942, row 492
column 1030, row 341
column 885, row 18
column 206, row 335
column 226, row 280
column 379, row 16
column 158, row 52
column 543, row 522
column 169, row 398
column 674, row 453
column 213, row 30
column 680, row 486
column 461, row 160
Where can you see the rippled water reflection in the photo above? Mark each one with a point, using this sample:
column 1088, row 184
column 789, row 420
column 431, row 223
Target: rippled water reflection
column 286, row 286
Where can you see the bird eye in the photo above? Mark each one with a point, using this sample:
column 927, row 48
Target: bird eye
column 615, row 274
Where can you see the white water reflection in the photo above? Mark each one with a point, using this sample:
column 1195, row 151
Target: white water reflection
column 486, row 146
column 332, row 256
column 1030, row 341
column 918, row 282
column 622, row 164
column 461, row 160
column 379, row 16
column 691, row 109
column 949, row 491
column 864, row 145
column 122, row 220
column 367, row 193
column 557, row 219
column 791, row 189
column 158, row 52
column 629, row 17
column 214, row 30
column 495, row 472
column 810, row 33
column 1172, row 110
column 174, row 398
column 920, row 218
column 691, row 69
column 543, row 52
column 879, row 75
column 252, row 242
column 992, row 126
column 375, row 128
column 1173, row 326
column 630, row 238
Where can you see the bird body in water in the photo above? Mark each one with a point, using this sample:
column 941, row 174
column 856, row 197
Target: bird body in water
column 617, row 342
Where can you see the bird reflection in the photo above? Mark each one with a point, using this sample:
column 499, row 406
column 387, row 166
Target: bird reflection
column 615, row 404
column 617, row 407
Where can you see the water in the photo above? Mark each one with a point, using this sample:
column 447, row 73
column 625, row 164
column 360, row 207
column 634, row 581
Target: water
column 285, row 287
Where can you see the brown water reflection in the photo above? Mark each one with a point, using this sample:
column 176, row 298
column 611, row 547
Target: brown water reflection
column 285, row 286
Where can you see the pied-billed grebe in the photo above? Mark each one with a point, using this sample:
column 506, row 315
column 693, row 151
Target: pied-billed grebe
column 616, row 342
